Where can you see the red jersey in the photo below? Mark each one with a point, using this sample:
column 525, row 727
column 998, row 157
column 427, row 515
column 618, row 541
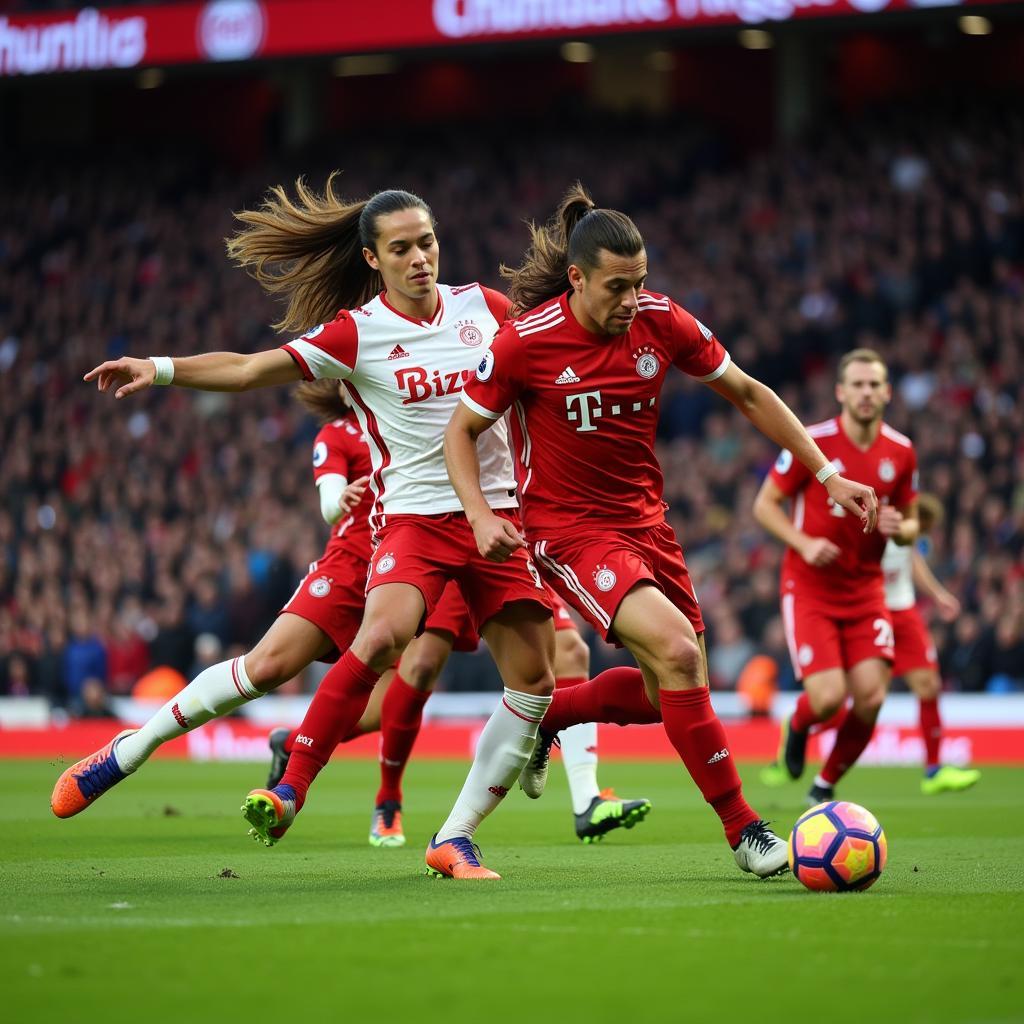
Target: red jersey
column 341, row 448
column 889, row 465
column 586, row 408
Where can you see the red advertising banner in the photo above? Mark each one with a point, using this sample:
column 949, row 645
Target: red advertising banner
column 238, row 30
column 748, row 740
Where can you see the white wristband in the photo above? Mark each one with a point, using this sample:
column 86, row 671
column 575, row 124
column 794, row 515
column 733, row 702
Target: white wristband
column 164, row 369
column 828, row 470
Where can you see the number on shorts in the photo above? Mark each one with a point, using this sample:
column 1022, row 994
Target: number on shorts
column 884, row 636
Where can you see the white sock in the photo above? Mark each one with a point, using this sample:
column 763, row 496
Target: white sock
column 214, row 692
column 505, row 746
column 579, row 754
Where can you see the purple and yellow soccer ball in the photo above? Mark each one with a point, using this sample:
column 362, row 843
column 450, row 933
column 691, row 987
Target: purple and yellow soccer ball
column 837, row 847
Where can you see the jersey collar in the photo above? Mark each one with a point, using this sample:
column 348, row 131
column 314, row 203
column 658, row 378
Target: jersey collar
column 432, row 322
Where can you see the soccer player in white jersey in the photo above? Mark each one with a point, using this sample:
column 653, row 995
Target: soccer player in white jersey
column 906, row 571
column 404, row 345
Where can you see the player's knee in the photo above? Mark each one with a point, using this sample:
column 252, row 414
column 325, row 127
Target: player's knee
column 927, row 686
column 379, row 645
column 572, row 656
column 538, row 680
column 868, row 704
column 681, row 663
column 268, row 667
column 421, row 671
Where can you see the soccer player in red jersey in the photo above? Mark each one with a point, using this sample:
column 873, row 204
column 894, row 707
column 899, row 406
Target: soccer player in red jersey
column 840, row 646
column 582, row 372
column 404, row 345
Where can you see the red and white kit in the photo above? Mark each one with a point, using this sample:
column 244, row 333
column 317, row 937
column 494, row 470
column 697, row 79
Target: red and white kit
column 835, row 616
column 584, row 417
column 404, row 377
column 914, row 645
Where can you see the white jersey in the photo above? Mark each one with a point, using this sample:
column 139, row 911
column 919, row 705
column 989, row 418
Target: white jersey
column 898, row 569
column 405, row 378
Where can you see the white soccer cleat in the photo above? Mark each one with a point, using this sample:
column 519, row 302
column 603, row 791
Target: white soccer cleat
column 760, row 851
column 534, row 776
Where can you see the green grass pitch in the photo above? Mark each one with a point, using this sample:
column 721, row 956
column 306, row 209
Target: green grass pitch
column 122, row 914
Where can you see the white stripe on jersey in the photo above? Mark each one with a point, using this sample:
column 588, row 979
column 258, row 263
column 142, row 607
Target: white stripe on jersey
column 826, row 429
column 715, row 374
column 541, row 327
column 541, row 314
column 895, row 435
column 527, row 445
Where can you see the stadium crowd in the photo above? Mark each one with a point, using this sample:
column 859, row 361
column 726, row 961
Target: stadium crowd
column 169, row 529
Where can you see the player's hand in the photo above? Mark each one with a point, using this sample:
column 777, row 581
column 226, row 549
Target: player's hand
column 818, row 551
column 857, row 499
column 128, row 375
column 497, row 539
column 353, row 494
column 889, row 521
column 947, row 606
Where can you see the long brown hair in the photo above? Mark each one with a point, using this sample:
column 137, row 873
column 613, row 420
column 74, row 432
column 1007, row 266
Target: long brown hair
column 323, row 399
column 309, row 250
column 575, row 235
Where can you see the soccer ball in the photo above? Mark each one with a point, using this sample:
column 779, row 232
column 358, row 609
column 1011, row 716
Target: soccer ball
column 837, row 847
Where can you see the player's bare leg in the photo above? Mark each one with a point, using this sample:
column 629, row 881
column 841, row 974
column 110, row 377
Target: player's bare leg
column 596, row 811
column 868, row 684
column 400, row 715
column 926, row 685
column 672, row 661
column 393, row 613
column 286, row 649
column 521, row 639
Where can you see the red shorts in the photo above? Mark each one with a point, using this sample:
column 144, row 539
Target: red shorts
column 823, row 637
column 332, row 596
column 563, row 620
column 428, row 551
column 914, row 647
column 452, row 616
column 594, row 570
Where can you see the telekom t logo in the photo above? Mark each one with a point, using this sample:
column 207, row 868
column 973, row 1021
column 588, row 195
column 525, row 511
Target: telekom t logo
column 586, row 413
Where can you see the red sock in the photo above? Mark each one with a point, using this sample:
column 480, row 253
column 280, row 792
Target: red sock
column 616, row 696
column 698, row 736
column 564, row 682
column 337, row 706
column 401, row 715
column 931, row 730
column 804, row 716
column 853, row 736
column 289, row 743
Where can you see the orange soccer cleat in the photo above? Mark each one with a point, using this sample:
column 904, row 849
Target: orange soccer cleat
column 87, row 780
column 386, row 825
column 457, row 858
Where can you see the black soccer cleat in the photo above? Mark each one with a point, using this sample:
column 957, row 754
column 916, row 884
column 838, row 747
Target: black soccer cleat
column 608, row 812
column 820, row 795
column 278, row 755
column 794, row 749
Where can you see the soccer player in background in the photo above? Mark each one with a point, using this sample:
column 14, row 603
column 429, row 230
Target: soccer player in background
column 906, row 571
column 582, row 371
column 838, row 628
column 366, row 273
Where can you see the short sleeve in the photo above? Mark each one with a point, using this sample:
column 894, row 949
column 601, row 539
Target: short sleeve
column 788, row 474
column 500, row 377
column 331, row 453
column 327, row 351
column 697, row 351
column 905, row 492
column 497, row 303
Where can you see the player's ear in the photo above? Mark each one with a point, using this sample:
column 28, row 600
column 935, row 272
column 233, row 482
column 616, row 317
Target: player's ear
column 371, row 257
column 576, row 278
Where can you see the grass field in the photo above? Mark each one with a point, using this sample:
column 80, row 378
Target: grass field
column 123, row 913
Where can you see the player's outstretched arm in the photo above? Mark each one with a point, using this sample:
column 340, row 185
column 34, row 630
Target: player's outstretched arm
column 496, row 538
column 212, row 371
column 925, row 581
column 769, row 512
column 777, row 421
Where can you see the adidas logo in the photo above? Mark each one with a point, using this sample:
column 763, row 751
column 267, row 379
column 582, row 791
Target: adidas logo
column 398, row 353
column 567, row 376
column 720, row 756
